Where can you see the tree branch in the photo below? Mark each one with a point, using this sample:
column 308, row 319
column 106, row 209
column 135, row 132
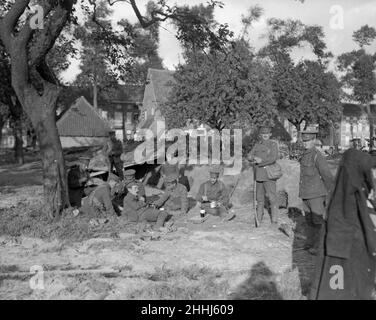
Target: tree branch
column 46, row 38
column 9, row 22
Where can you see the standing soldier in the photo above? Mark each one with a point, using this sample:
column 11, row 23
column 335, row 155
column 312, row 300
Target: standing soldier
column 265, row 153
column 316, row 182
column 114, row 150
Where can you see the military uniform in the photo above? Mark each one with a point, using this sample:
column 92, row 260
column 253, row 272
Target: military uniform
column 137, row 211
column 129, row 176
column 114, row 151
column 175, row 199
column 99, row 201
column 267, row 150
column 316, row 181
column 216, row 192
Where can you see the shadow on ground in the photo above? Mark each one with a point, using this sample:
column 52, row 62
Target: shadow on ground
column 260, row 285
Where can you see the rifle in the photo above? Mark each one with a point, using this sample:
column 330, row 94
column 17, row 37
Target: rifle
column 257, row 222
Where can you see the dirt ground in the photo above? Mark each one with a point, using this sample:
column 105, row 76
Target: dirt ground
column 212, row 260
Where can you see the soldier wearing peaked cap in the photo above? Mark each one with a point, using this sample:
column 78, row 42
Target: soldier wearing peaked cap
column 98, row 200
column 130, row 176
column 121, row 190
column 316, row 181
column 263, row 154
column 213, row 196
column 138, row 211
column 175, row 197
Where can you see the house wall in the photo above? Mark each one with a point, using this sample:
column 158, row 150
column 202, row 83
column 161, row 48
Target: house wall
column 149, row 104
column 353, row 127
column 70, row 142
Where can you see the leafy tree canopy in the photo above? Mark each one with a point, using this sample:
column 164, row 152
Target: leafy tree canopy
column 222, row 90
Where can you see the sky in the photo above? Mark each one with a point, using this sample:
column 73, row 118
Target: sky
column 339, row 18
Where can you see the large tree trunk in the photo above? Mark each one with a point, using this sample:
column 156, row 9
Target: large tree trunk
column 41, row 110
column 2, row 123
column 18, row 141
column 299, row 133
column 17, row 126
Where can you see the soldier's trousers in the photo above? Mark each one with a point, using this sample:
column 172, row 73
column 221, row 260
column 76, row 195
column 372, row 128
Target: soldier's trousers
column 153, row 215
column 221, row 211
column 118, row 164
column 267, row 189
column 314, row 210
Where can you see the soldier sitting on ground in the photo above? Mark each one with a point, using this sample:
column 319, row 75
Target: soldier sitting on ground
column 175, row 198
column 172, row 169
column 98, row 201
column 213, row 196
column 121, row 189
column 139, row 212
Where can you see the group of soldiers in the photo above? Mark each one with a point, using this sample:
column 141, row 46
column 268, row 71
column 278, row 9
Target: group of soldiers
column 316, row 182
column 101, row 187
column 95, row 189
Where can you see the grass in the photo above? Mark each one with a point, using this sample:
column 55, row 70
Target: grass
column 188, row 283
column 26, row 219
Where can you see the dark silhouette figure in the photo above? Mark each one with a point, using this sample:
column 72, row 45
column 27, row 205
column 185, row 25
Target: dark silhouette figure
column 260, row 285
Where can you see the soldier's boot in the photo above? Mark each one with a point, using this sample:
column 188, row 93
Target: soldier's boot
column 310, row 231
column 274, row 214
column 318, row 228
column 260, row 211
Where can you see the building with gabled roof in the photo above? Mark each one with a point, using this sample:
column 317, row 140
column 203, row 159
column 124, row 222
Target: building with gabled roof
column 81, row 125
column 158, row 87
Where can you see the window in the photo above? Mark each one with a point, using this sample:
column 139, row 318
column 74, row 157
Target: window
column 129, row 118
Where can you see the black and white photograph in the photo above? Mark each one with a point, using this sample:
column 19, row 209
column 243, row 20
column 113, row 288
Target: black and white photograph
column 181, row 156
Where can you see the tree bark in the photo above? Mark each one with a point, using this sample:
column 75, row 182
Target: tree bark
column 18, row 141
column 17, row 126
column 299, row 133
column 42, row 112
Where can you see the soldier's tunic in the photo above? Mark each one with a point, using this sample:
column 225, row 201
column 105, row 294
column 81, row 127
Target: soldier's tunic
column 114, row 150
column 316, row 181
column 137, row 211
column 267, row 150
column 98, row 202
column 214, row 192
column 174, row 200
column 118, row 197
